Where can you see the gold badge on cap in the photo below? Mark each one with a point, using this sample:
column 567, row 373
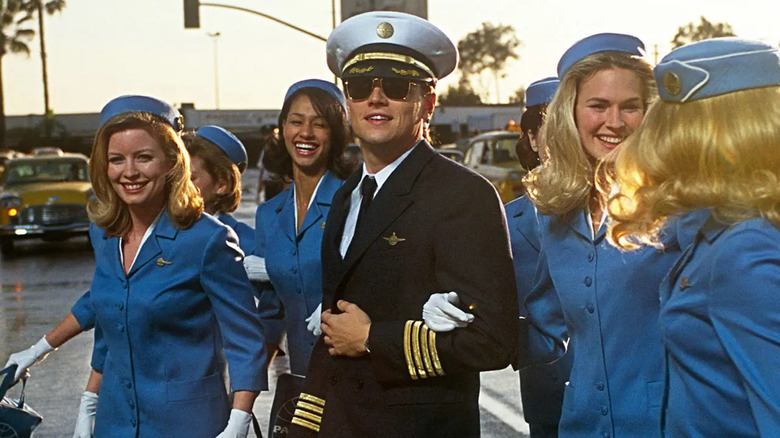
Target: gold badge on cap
column 672, row 83
column 162, row 262
column 385, row 30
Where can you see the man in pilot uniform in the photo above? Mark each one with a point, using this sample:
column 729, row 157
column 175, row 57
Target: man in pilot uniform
column 409, row 223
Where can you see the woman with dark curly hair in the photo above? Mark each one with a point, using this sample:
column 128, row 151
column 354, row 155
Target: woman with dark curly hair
column 313, row 136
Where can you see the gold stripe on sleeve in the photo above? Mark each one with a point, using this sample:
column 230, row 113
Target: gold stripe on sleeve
column 307, row 424
column 312, row 399
column 408, row 349
column 416, row 349
column 309, row 407
column 426, row 355
column 307, row 415
column 434, row 352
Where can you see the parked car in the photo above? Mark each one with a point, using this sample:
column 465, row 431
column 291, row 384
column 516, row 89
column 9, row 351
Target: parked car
column 492, row 155
column 5, row 156
column 44, row 196
column 47, row 150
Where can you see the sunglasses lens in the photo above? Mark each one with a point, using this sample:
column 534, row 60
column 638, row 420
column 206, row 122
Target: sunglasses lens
column 395, row 88
column 359, row 88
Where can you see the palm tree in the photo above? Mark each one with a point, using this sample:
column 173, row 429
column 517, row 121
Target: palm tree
column 14, row 36
column 51, row 7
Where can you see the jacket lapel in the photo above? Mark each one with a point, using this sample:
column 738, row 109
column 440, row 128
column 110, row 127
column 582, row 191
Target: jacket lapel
column 688, row 230
column 525, row 222
column 285, row 215
column 577, row 222
column 150, row 249
column 321, row 202
column 112, row 248
column 393, row 198
column 332, row 263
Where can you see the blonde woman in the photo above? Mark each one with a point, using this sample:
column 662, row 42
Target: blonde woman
column 168, row 280
column 710, row 150
column 588, row 294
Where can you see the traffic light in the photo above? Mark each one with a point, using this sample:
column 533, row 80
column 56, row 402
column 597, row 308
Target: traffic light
column 191, row 14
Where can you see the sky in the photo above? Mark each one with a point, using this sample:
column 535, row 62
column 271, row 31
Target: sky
column 100, row 49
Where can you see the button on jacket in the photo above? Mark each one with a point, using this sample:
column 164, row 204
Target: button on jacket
column 720, row 322
column 293, row 262
column 607, row 302
column 157, row 330
column 541, row 385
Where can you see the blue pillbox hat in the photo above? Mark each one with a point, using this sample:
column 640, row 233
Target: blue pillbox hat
column 717, row 66
column 416, row 48
column 541, row 92
column 326, row 86
column 226, row 141
column 142, row 104
column 600, row 42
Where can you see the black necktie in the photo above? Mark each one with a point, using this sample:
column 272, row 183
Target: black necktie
column 367, row 189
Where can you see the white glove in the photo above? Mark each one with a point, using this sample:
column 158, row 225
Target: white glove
column 29, row 357
column 441, row 313
column 255, row 268
column 86, row 418
column 314, row 324
column 238, row 425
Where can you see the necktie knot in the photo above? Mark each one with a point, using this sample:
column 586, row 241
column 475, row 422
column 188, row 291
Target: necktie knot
column 368, row 186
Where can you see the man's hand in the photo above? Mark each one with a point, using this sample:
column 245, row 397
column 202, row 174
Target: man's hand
column 346, row 333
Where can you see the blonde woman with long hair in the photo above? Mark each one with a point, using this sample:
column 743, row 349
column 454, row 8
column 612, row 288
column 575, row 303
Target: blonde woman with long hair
column 710, row 152
column 587, row 293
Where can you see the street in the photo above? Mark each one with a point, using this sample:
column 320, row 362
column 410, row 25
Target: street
column 39, row 285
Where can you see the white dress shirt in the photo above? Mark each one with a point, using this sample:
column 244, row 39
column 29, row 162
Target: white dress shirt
column 356, row 198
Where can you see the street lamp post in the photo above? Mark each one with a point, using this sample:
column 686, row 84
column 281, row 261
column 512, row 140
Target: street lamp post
column 215, row 38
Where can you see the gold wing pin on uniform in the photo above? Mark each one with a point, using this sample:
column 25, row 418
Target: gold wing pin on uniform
column 393, row 240
column 684, row 283
column 162, row 262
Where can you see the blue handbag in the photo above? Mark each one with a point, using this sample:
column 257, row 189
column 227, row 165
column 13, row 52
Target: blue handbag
column 17, row 420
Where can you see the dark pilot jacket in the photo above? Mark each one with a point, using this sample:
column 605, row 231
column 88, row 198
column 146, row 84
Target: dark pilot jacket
column 434, row 226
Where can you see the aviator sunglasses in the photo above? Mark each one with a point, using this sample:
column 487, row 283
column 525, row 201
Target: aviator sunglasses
column 360, row 88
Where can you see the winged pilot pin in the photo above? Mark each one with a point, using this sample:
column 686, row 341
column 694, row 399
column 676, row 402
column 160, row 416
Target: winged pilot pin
column 393, row 240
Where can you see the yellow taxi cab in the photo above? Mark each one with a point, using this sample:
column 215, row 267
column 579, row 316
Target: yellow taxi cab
column 44, row 196
column 492, row 155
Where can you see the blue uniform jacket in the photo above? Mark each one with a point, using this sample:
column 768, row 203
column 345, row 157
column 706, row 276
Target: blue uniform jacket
column 85, row 314
column 294, row 262
column 158, row 328
column 246, row 235
column 541, row 385
column 720, row 322
column 606, row 302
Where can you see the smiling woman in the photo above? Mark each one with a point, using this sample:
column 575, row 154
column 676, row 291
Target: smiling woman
column 310, row 154
column 608, row 310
